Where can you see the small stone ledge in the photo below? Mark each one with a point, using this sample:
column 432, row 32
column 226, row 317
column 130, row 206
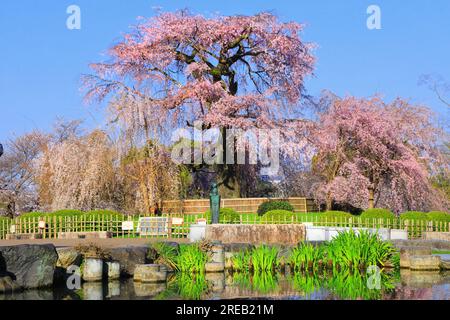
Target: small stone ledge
column 85, row 235
column 24, row 236
column 407, row 252
column 214, row 267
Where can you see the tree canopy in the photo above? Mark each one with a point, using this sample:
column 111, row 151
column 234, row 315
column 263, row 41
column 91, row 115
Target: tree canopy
column 239, row 72
column 374, row 153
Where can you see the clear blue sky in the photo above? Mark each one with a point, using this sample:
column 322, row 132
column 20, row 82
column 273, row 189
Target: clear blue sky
column 41, row 60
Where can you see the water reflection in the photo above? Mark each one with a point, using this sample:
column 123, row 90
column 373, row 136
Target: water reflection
column 261, row 282
column 148, row 289
column 93, row 291
column 113, row 289
column 324, row 286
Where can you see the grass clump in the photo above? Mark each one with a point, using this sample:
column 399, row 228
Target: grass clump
column 191, row 259
column 349, row 250
column 395, row 260
column 264, row 259
column 162, row 253
column 358, row 250
column 306, row 257
column 260, row 259
column 242, row 261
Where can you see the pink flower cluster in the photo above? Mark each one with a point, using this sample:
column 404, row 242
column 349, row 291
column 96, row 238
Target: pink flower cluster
column 365, row 144
column 229, row 72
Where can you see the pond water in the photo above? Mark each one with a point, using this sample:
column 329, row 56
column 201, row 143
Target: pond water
column 402, row 285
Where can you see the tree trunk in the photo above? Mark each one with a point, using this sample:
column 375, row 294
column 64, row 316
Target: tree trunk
column 329, row 202
column 228, row 181
column 371, row 198
column 144, row 192
column 228, row 174
column 11, row 209
column 143, row 187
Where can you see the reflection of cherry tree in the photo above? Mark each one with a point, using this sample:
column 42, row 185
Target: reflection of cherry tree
column 228, row 72
column 411, row 293
column 375, row 154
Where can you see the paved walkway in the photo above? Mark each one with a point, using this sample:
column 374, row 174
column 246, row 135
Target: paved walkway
column 107, row 243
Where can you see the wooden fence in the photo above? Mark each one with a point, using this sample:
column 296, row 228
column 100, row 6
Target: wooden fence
column 52, row 227
column 241, row 205
column 178, row 225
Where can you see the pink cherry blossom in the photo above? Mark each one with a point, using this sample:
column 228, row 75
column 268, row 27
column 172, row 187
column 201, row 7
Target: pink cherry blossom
column 367, row 144
column 228, row 72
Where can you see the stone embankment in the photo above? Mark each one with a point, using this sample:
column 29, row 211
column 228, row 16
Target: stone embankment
column 40, row 266
column 24, row 267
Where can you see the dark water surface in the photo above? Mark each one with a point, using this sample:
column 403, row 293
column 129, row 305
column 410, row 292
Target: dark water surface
column 404, row 285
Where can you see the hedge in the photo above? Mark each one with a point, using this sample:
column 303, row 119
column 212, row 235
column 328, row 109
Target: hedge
column 4, row 219
column 438, row 216
column 413, row 215
column 72, row 213
column 377, row 213
column 104, row 212
column 59, row 213
column 274, row 205
column 337, row 214
column 227, row 216
column 278, row 216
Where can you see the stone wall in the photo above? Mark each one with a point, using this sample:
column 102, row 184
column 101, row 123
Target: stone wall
column 257, row 234
column 445, row 236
